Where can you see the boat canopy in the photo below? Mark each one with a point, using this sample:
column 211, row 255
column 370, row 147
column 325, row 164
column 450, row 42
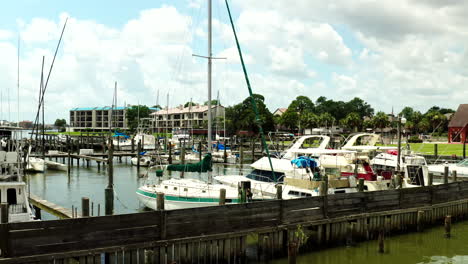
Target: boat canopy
column 322, row 151
column 220, row 146
column 202, row 166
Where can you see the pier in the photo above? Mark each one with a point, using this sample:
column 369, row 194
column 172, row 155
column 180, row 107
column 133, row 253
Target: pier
column 219, row 234
column 56, row 210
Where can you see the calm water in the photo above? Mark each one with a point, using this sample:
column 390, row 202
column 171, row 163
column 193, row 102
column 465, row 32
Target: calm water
column 57, row 187
column 429, row 246
column 426, row 247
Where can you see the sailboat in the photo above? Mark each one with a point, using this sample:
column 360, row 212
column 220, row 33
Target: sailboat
column 185, row 193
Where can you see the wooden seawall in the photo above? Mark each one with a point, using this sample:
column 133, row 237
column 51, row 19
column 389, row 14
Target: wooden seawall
column 219, row 234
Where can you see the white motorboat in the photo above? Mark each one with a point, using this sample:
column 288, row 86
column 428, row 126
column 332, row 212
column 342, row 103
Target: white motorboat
column 123, row 142
column 145, row 161
column 461, row 168
column 35, row 164
column 52, row 165
column 14, row 193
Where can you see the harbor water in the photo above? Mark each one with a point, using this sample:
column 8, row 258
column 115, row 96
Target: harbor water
column 429, row 246
column 67, row 191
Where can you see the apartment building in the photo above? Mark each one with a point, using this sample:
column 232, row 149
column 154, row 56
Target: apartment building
column 99, row 118
column 185, row 117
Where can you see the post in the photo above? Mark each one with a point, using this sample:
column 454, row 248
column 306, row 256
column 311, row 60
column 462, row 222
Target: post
column 244, row 191
column 435, row 150
column 222, row 196
column 361, row 185
column 419, row 220
column 169, row 160
column 109, row 191
column 446, row 173
column 381, row 241
column 253, row 150
column 292, row 252
column 464, row 149
column 138, row 155
column 225, row 154
column 324, row 186
column 4, row 212
column 279, row 192
column 69, row 155
column 431, row 179
column 84, row 206
column 454, row 176
column 199, row 150
column 160, row 201
column 448, row 225
column 133, row 144
column 98, row 209
column 37, row 212
column 241, row 152
column 398, row 167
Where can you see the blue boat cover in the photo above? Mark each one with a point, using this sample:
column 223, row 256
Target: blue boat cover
column 220, row 146
column 119, row 134
column 304, row 162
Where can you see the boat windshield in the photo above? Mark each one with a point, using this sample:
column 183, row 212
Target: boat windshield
column 463, row 163
column 265, row 176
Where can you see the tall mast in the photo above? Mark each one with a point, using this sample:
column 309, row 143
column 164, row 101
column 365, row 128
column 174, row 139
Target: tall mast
column 209, row 77
column 18, row 81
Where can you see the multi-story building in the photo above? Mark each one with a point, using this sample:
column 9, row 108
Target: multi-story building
column 185, row 117
column 99, row 118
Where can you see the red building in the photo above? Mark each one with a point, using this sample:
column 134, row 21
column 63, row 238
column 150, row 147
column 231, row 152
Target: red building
column 458, row 126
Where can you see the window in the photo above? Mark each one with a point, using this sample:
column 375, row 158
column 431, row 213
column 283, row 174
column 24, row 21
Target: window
column 11, row 196
column 165, row 187
column 185, row 190
column 175, row 188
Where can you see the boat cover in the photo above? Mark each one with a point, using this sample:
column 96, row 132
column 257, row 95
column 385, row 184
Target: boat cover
column 304, row 162
column 202, row 166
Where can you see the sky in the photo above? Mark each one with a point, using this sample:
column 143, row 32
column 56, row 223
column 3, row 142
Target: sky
column 391, row 53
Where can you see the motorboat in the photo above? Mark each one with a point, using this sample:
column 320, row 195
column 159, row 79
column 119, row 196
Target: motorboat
column 439, row 169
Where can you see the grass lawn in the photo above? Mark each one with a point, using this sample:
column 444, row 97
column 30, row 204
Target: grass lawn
column 442, row 149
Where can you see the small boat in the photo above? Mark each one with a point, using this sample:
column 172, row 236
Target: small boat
column 35, row 164
column 145, row 160
column 52, row 165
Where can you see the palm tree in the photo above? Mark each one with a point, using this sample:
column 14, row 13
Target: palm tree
column 380, row 120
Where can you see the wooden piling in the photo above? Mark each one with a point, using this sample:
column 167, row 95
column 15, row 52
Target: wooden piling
column 279, row 192
column 138, row 154
column 84, row 206
column 419, row 221
column 169, row 160
column 446, row 173
column 222, row 196
column 431, row 179
column 160, row 201
column 381, row 241
column 4, row 213
column 361, row 185
column 448, row 226
column 454, row 176
column 435, row 150
column 199, row 150
column 464, row 150
column 292, row 252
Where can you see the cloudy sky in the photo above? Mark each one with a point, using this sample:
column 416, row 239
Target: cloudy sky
column 391, row 53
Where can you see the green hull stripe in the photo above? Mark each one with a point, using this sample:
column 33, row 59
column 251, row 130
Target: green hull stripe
column 186, row 199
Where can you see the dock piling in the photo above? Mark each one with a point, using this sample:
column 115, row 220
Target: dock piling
column 160, row 201
column 292, row 252
column 419, row 220
column 4, row 213
column 448, row 226
column 454, row 176
column 222, row 196
column 85, row 207
column 381, row 241
column 361, row 185
column 446, row 173
column 431, row 179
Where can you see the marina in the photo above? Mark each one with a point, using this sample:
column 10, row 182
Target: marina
column 363, row 160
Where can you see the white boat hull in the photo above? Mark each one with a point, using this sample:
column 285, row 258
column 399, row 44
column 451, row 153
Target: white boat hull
column 35, row 165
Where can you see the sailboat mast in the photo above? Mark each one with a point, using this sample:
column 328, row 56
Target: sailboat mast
column 209, row 78
column 18, row 82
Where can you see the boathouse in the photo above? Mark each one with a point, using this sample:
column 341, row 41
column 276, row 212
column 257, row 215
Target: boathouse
column 458, row 126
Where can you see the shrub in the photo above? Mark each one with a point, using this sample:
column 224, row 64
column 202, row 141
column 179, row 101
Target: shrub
column 415, row 139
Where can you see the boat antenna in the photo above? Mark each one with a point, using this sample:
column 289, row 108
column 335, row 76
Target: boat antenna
column 18, row 81
column 252, row 100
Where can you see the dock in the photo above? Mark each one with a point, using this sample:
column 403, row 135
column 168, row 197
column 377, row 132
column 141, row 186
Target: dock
column 56, row 210
column 219, row 234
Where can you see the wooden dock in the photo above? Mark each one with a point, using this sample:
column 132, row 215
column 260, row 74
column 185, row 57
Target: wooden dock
column 56, row 210
column 219, row 234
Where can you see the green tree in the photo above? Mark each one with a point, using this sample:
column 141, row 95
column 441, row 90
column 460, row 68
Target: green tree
column 353, row 121
column 424, row 125
column 213, row 102
column 309, row 120
column 135, row 112
column 360, row 107
column 187, row 104
column 290, row 119
column 407, row 113
column 380, row 120
column 326, row 119
column 301, row 105
column 60, row 123
column 242, row 117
